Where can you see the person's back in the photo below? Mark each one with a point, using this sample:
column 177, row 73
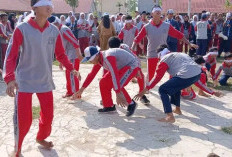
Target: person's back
column 123, row 58
column 202, row 30
column 181, row 65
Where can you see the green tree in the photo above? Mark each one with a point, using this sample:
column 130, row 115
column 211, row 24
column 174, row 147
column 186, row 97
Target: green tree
column 73, row 4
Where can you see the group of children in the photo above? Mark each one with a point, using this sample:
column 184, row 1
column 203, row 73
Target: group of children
column 31, row 71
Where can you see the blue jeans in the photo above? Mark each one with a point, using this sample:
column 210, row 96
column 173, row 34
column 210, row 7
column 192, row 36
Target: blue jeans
column 203, row 45
column 172, row 46
column 223, row 80
column 173, row 88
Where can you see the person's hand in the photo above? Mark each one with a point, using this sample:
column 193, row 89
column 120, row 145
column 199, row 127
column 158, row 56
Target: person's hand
column 11, row 86
column 139, row 75
column 215, row 83
column 121, row 100
column 194, row 46
column 78, row 94
column 76, row 73
column 61, row 66
column 218, row 94
column 140, row 95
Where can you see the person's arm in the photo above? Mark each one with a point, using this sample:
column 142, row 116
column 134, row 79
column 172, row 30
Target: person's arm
column 68, row 35
column 91, row 75
column 12, row 56
column 162, row 68
column 139, row 38
column 113, row 29
column 2, row 34
column 215, row 77
column 121, row 35
column 136, row 32
column 60, row 54
column 203, row 87
column 111, row 63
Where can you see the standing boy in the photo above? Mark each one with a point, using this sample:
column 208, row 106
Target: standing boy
column 33, row 74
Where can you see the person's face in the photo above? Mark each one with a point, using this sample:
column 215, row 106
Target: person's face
column 123, row 18
column 95, row 20
column 4, row 19
column 128, row 24
column 82, row 16
column 170, row 16
column 144, row 16
column 62, row 18
column 70, row 14
column 202, row 64
column 195, row 18
column 212, row 16
column 43, row 11
column 95, row 60
column 91, row 17
column 178, row 19
column 112, row 19
column 156, row 14
column 229, row 64
column 72, row 18
column 186, row 18
column 13, row 18
column 220, row 16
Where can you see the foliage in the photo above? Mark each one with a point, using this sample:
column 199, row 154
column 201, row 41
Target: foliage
column 72, row 3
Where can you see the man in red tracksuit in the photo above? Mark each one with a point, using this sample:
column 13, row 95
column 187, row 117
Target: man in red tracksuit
column 121, row 67
column 72, row 50
column 157, row 33
column 33, row 73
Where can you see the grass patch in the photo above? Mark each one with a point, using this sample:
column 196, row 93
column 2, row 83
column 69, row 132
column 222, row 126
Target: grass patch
column 35, row 112
column 227, row 130
column 220, row 60
column 219, row 87
column 56, row 63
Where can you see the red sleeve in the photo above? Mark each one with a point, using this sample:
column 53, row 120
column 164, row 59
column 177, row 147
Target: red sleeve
column 60, row 54
column 2, row 33
column 112, row 65
column 141, row 35
column 162, row 68
column 12, row 56
column 190, row 29
column 175, row 33
column 215, row 26
column 203, row 87
column 208, row 26
column 68, row 35
column 121, row 35
column 91, row 75
column 182, row 29
column 195, row 28
column 136, row 32
column 217, row 73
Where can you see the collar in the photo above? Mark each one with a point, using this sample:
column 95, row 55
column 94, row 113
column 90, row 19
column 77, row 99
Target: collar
column 155, row 24
column 36, row 26
column 101, row 58
column 60, row 26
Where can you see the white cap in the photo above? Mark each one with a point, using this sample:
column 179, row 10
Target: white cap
column 170, row 11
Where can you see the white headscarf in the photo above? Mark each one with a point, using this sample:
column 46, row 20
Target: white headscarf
column 81, row 21
column 62, row 22
column 89, row 20
column 27, row 18
column 68, row 20
column 194, row 22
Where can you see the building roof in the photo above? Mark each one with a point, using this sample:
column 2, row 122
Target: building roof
column 60, row 6
column 197, row 6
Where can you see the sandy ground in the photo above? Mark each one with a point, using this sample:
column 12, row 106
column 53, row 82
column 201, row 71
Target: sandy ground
column 80, row 131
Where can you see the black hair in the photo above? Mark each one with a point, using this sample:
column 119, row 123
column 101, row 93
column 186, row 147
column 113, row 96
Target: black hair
column 144, row 12
column 199, row 60
column 161, row 47
column 120, row 14
column 128, row 17
column 106, row 21
column 114, row 42
column 52, row 19
column 33, row 2
column 227, row 56
column 3, row 15
column 203, row 11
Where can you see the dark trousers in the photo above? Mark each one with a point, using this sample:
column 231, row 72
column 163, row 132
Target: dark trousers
column 203, row 45
column 172, row 46
column 173, row 89
column 225, row 46
column 223, row 80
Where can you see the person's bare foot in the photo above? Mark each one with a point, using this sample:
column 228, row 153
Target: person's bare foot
column 67, row 95
column 169, row 119
column 45, row 144
column 14, row 154
column 201, row 93
column 177, row 111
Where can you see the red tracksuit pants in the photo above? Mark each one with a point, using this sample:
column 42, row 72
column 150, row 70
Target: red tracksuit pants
column 72, row 84
column 83, row 42
column 23, row 116
column 151, row 67
column 106, row 85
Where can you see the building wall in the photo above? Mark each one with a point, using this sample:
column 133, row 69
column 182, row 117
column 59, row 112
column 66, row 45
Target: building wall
column 109, row 6
column 145, row 5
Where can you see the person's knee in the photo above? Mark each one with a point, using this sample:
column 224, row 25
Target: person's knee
column 162, row 90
